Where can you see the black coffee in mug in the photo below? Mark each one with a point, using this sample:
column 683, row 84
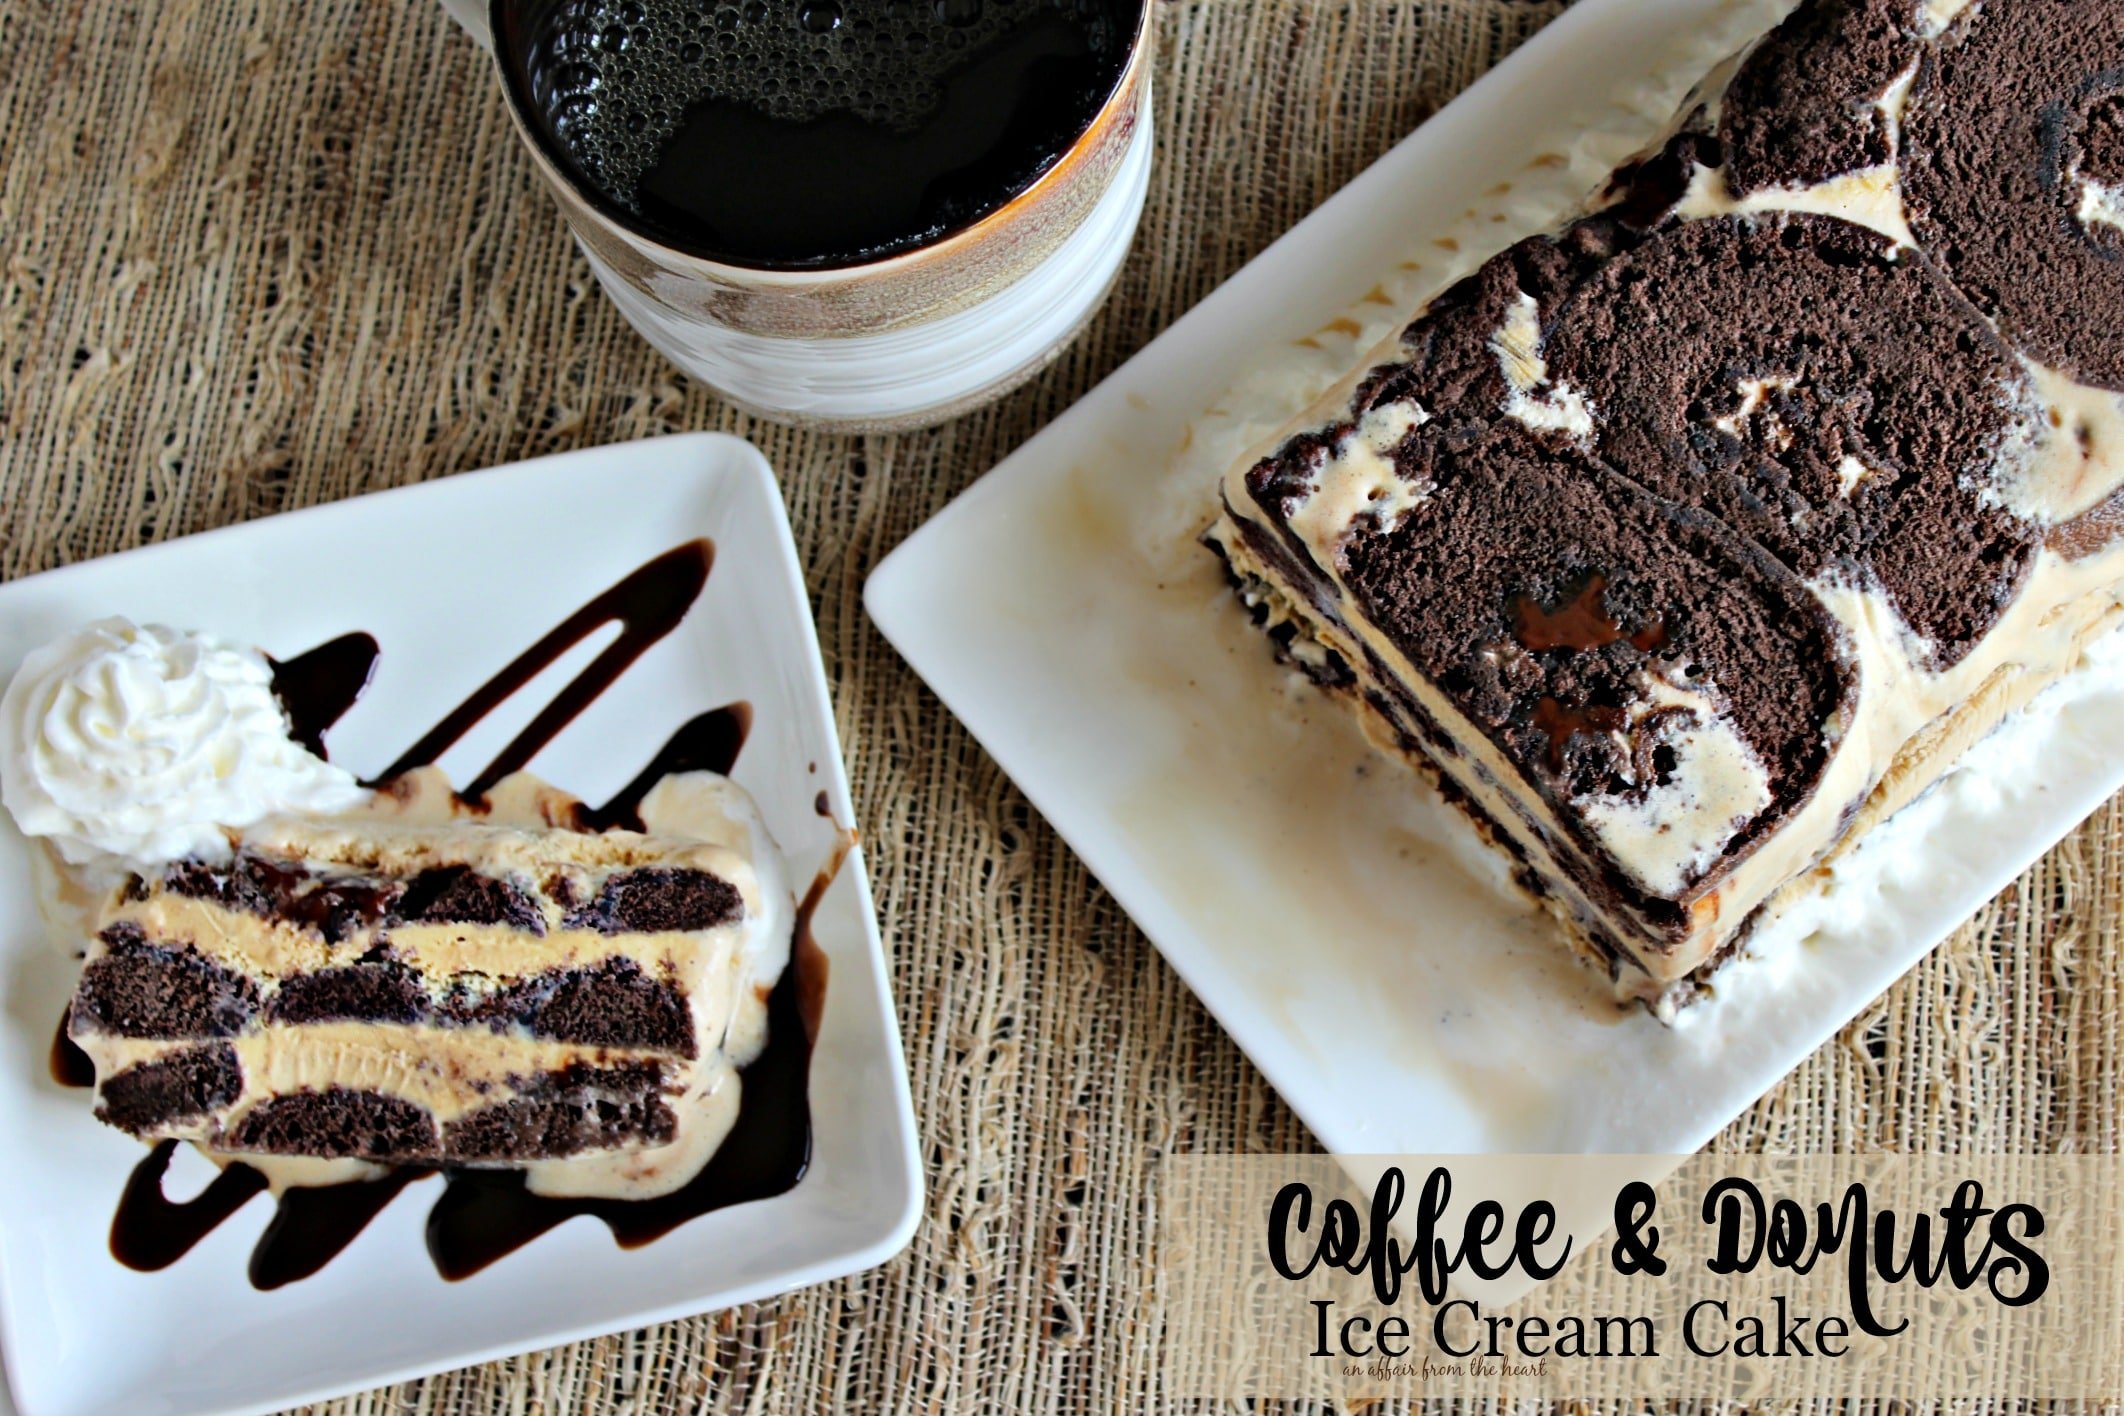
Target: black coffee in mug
column 808, row 133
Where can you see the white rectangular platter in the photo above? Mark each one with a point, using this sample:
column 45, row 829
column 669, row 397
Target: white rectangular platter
column 1322, row 904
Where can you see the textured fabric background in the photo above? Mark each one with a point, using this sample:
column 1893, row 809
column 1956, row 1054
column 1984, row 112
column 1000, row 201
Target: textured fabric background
column 265, row 253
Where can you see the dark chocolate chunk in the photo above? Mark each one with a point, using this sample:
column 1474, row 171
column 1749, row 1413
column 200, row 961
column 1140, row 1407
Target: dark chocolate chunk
column 657, row 900
column 335, row 906
column 561, row 888
column 179, row 1087
column 338, row 1122
column 340, row 907
column 140, row 988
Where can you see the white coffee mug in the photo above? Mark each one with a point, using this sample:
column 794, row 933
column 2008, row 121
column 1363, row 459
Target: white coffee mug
column 901, row 342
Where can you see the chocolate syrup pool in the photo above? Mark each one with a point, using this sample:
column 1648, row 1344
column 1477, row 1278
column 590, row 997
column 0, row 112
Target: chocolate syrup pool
column 481, row 1215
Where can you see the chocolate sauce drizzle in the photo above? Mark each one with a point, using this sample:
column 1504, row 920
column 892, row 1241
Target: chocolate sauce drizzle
column 648, row 605
column 1579, row 624
column 1562, row 722
column 314, row 1223
column 483, row 1215
column 71, row 1066
column 317, row 687
column 152, row 1231
column 709, row 743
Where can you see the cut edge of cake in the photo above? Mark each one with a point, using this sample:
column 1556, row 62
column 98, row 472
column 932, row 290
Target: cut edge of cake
column 428, row 981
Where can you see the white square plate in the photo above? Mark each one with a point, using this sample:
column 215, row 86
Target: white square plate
column 455, row 578
column 1320, row 902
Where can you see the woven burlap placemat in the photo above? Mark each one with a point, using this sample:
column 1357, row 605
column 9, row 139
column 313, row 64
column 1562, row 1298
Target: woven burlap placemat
column 262, row 254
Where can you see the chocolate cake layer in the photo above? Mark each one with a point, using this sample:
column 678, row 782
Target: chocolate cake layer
column 183, row 1086
column 2001, row 127
column 1806, row 107
column 137, row 987
column 1664, row 686
column 432, row 981
column 568, row 1112
column 1745, row 432
column 2014, row 175
column 1833, row 401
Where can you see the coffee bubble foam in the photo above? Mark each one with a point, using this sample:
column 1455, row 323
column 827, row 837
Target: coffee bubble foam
column 614, row 78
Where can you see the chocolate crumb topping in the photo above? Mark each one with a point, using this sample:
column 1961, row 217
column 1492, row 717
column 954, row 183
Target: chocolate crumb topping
column 1834, row 403
column 2013, row 149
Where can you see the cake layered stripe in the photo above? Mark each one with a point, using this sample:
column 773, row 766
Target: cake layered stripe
column 436, row 981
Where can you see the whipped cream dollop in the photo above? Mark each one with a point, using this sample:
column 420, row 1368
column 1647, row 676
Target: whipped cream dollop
column 147, row 743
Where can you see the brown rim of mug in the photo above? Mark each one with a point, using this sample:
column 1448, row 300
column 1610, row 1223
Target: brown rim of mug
column 1111, row 109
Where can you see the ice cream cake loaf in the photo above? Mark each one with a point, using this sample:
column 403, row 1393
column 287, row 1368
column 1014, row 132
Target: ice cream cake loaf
column 1682, row 542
